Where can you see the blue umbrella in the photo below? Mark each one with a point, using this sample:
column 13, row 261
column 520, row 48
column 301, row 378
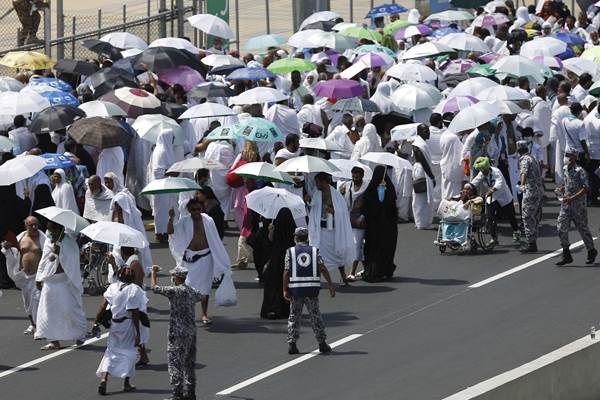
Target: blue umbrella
column 54, row 161
column 569, row 38
column 445, row 31
column 56, row 98
column 569, row 53
column 386, row 9
column 250, row 74
column 52, row 82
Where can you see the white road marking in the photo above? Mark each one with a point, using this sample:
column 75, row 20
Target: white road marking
column 523, row 266
column 284, row 366
column 50, row 356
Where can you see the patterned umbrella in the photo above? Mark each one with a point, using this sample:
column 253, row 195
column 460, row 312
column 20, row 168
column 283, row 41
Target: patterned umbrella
column 386, row 9
column 55, row 117
column 338, row 89
column 54, row 161
column 61, row 98
column 250, row 74
column 27, row 60
column 410, row 31
column 76, row 67
column 372, row 60
column 258, row 130
column 290, row 64
column 134, row 102
column 490, row 20
column 52, row 82
column 455, row 104
column 458, row 66
column 99, row 132
column 159, row 58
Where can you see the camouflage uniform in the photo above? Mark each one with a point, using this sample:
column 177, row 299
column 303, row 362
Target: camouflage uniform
column 531, row 208
column 30, row 19
column 575, row 180
column 181, row 347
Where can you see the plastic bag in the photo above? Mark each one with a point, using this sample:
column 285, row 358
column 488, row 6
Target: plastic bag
column 226, row 295
column 453, row 211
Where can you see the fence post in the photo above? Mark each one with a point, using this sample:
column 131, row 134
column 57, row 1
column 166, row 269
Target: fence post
column 47, row 31
column 73, row 31
column 60, row 30
column 267, row 17
column 148, row 13
column 237, row 25
column 195, row 11
column 124, row 17
column 162, row 24
column 99, row 22
column 351, row 11
column 171, row 18
column 180, row 18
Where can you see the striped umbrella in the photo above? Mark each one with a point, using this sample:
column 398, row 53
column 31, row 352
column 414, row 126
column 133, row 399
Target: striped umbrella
column 457, row 66
column 372, row 60
column 455, row 104
column 412, row 30
column 134, row 102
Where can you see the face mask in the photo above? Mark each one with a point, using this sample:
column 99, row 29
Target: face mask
column 381, row 192
column 566, row 160
column 55, row 138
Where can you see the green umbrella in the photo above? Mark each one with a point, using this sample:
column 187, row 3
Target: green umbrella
column 290, row 64
column 593, row 53
column 483, row 70
column 390, row 29
column 258, row 130
column 222, row 133
column 363, row 33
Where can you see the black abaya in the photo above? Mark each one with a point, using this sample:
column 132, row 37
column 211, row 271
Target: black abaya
column 11, row 224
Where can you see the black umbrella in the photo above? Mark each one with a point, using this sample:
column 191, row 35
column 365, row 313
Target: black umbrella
column 109, row 79
column 326, row 26
column 385, row 122
column 99, row 132
column 159, row 58
column 102, row 48
column 211, row 89
column 76, row 67
column 55, row 118
column 173, row 110
column 225, row 69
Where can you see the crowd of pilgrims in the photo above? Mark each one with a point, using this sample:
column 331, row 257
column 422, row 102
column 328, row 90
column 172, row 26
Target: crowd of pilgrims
column 105, row 184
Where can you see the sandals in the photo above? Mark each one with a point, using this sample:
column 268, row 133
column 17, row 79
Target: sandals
column 102, row 388
column 50, row 346
column 129, row 388
column 351, row 278
column 206, row 321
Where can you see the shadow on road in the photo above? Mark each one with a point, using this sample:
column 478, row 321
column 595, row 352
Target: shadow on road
column 163, row 367
column 432, row 282
column 365, row 289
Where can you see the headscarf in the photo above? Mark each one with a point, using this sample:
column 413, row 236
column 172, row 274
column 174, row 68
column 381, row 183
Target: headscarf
column 413, row 16
column 117, row 185
column 311, row 86
column 283, row 236
column 111, row 159
column 382, row 97
column 163, row 156
column 368, row 142
column 284, row 117
column 63, row 194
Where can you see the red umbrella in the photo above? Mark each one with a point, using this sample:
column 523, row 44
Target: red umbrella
column 339, row 89
column 135, row 102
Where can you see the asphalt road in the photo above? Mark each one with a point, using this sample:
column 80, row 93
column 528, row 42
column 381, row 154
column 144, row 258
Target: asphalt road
column 425, row 334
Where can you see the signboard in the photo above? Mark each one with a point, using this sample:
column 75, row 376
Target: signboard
column 220, row 8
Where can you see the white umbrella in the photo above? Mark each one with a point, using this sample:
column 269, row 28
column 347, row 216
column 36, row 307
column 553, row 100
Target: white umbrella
column 426, row 50
column 6, row 145
column 548, row 61
column 506, row 107
column 474, row 116
column 332, row 40
column 464, row 41
column 15, row 103
column 212, row 25
column 472, row 87
column 149, row 127
column 100, row 108
column 579, row 65
column 194, row 164
column 319, row 16
column 320, row 144
column 66, row 218
column 502, row 92
column 404, row 132
column 116, row 234
column 450, row 15
column 307, row 164
column 263, row 171
column 346, row 167
column 415, row 96
column 268, row 201
column 20, row 168
column 344, row 25
column 519, row 66
column 217, row 60
column 385, row 158
column 176, row 43
column 259, row 95
column 37, row 89
column 451, row 104
column 170, row 185
column 125, row 40
column 8, row 84
column 544, row 46
column 207, row 110
column 412, row 72
column 131, row 52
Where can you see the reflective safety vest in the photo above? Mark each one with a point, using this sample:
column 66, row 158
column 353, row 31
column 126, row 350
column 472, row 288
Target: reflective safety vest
column 304, row 277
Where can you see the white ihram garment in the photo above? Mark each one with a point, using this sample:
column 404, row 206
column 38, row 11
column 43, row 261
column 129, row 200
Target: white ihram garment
column 223, row 152
column 163, row 157
column 451, row 164
column 111, row 159
column 63, row 194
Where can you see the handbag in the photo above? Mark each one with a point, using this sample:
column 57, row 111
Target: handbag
column 420, row 185
column 234, row 180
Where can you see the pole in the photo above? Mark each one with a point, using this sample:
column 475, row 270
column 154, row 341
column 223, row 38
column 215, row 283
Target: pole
column 351, row 11
column 148, row 13
column 267, row 16
column 99, row 22
column 124, row 17
column 60, row 29
column 47, row 31
column 180, row 19
column 73, row 32
column 162, row 25
column 237, row 25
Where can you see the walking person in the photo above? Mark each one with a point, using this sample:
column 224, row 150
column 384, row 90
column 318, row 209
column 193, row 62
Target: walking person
column 301, row 285
column 181, row 347
column 573, row 208
column 533, row 196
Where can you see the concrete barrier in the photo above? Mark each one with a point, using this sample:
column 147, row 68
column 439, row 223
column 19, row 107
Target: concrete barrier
column 571, row 372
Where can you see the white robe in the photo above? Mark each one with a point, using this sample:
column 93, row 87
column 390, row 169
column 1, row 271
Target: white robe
column 423, row 204
column 451, row 164
column 140, row 153
column 402, row 179
column 284, row 117
column 339, row 135
column 97, row 207
column 63, row 194
column 163, row 157
column 23, row 139
column 223, row 152
column 60, row 312
column 368, row 142
column 557, row 136
column 111, row 159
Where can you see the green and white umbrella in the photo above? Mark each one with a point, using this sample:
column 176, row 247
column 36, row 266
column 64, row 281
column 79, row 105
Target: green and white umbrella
column 194, row 164
column 170, row 185
column 258, row 130
column 290, row 64
column 263, row 171
column 363, row 33
column 222, row 133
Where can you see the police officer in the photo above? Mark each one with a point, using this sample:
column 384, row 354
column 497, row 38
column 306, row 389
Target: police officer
column 573, row 208
column 181, row 347
column 533, row 194
column 29, row 16
column 301, row 285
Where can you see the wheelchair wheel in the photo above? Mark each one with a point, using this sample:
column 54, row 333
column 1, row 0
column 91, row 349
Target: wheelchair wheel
column 102, row 267
column 484, row 233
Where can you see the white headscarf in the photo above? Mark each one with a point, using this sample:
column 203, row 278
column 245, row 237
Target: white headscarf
column 111, row 159
column 63, row 194
column 368, row 142
column 163, row 156
column 284, row 117
column 382, row 97
column 419, row 143
column 413, row 16
column 117, row 185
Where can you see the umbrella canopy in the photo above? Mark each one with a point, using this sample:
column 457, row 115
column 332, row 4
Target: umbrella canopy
column 216, row 60
column 502, row 92
column 357, row 104
column 268, row 201
column 313, row 38
column 340, row 26
column 116, row 234
column 264, row 42
column 307, row 164
column 134, row 102
column 66, row 218
column 27, row 60
column 183, row 75
column 459, row 66
column 363, row 33
column 455, row 104
column 519, row 66
column 194, row 164
column 76, row 67
column 223, row 133
column 60, row 98
column 404, row 132
column 19, row 168
column 259, row 95
column 224, row 69
column 263, row 171
column 326, row 26
column 412, row 72
column 543, row 46
column 412, row 30
column 258, row 130
column 170, row 185
column 425, row 50
column 103, row 48
column 320, row 144
column 472, row 87
column 593, row 54
column 338, row 89
column 212, row 25
column 290, row 64
column 250, row 74
column 385, row 158
column 346, row 167
column 368, row 48
column 99, row 132
column 207, row 110
column 54, row 118
column 571, row 39
column 99, row 108
column 6, row 145
column 372, row 60
column 415, row 96
column 211, row 89
column 549, row 62
column 108, row 79
column 450, row 15
column 482, row 70
column 474, row 116
column 176, row 43
column 125, row 40
column 15, row 103
column 464, row 41
column 490, row 20
column 389, row 29
column 149, row 127
column 386, row 9
column 579, row 65
column 8, row 84
column 52, row 82
column 54, row 161
column 160, row 58
column 319, row 16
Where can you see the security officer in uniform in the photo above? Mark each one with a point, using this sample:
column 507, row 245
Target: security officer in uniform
column 301, row 285
column 533, row 193
column 27, row 11
column 181, row 347
column 573, row 208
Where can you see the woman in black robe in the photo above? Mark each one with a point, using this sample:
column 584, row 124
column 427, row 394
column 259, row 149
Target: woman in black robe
column 381, row 234
column 212, row 208
column 274, row 306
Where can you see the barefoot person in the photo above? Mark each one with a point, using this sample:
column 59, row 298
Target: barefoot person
column 195, row 244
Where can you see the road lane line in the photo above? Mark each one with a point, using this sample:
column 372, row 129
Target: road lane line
column 285, row 366
column 523, row 266
column 51, row 356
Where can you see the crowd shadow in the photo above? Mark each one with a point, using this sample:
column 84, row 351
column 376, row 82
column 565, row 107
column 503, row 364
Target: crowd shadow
column 163, row 367
column 12, row 318
column 364, row 288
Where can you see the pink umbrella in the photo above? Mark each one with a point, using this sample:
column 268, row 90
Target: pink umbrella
column 489, row 20
column 490, row 58
column 410, row 31
column 339, row 89
column 455, row 104
column 183, row 75
column 457, row 66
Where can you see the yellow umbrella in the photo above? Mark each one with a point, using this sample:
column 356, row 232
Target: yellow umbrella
column 27, row 60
